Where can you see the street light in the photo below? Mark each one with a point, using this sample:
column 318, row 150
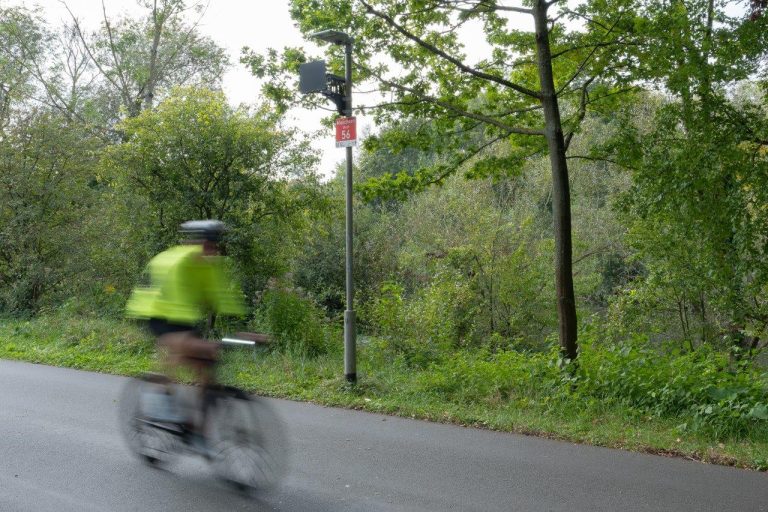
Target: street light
column 344, row 104
column 332, row 36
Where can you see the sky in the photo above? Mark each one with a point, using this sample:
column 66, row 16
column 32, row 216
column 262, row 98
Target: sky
column 259, row 24
column 232, row 24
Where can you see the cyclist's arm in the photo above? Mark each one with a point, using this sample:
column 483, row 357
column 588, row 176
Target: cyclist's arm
column 225, row 295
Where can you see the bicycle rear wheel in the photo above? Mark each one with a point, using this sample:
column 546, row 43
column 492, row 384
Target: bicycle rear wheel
column 151, row 443
column 247, row 440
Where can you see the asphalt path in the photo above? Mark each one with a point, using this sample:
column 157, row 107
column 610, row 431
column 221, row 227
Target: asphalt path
column 61, row 450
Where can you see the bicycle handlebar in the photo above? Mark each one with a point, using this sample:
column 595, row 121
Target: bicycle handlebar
column 235, row 341
column 247, row 338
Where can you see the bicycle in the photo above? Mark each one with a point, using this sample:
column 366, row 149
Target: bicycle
column 245, row 442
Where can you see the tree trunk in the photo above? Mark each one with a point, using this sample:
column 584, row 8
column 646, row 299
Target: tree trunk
column 149, row 87
column 561, row 200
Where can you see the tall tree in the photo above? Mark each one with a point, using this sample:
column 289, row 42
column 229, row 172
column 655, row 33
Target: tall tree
column 99, row 77
column 697, row 210
column 22, row 42
column 194, row 156
column 140, row 57
column 415, row 52
column 47, row 194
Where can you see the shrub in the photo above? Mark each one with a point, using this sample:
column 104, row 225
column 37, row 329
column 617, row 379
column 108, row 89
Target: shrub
column 702, row 386
column 297, row 324
column 472, row 376
column 702, row 389
column 422, row 328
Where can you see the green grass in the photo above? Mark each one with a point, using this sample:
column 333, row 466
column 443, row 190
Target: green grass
column 399, row 391
column 385, row 386
column 100, row 345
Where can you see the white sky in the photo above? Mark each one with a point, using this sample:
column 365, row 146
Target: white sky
column 232, row 24
column 259, row 24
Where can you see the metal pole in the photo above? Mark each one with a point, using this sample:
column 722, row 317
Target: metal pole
column 350, row 371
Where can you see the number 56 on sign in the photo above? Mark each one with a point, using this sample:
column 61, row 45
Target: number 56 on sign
column 346, row 132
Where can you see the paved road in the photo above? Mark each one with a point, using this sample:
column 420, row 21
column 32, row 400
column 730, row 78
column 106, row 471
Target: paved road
column 60, row 450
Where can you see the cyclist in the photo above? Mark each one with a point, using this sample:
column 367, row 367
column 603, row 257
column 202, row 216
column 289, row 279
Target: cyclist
column 187, row 283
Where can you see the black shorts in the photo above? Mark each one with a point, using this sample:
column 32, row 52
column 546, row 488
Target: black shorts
column 159, row 327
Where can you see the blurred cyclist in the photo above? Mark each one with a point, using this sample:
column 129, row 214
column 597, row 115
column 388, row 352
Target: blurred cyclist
column 187, row 283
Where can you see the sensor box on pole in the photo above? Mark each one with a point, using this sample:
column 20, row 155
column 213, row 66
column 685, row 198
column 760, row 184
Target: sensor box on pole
column 312, row 77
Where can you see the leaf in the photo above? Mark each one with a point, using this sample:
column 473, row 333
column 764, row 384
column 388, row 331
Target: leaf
column 493, row 166
column 760, row 412
column 723, row 393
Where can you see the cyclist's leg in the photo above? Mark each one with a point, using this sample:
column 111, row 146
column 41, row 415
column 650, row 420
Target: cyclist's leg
column 200, row 356
column 205, row 370
column 169, row 336
column 163, row 383
column 177, row 342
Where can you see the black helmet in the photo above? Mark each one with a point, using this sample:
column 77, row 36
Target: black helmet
column 211, row 230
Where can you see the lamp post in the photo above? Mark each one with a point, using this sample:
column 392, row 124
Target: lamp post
column 345, row 108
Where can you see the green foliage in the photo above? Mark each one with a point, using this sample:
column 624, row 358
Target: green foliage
column 702, row 388
column 318, row 265
column 48, row 192
column 298, row 325
column 695, row 215
column 689, row 47
column 500, row 376
column 697, row 220
column 22, row 41
column 195, row 156
column 421, row 329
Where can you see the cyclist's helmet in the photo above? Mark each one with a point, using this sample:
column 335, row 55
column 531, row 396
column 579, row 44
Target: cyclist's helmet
column 211, row 230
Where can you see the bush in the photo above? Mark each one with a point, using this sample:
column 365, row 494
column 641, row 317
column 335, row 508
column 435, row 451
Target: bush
column 701, row 387
column 297, row 324
column 95, row 301
column 702, row 390
column 422, row 328
column 478, row 375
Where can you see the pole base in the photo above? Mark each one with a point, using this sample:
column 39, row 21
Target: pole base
column 350, row 357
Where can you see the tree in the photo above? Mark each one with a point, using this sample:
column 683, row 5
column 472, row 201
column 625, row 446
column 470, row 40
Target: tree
column 102, row 76
column 137, row 57
column 413, row 50
column 140, row 57
column 22, row 41
column 194, row 156
column 47, row 194
column 696, row 211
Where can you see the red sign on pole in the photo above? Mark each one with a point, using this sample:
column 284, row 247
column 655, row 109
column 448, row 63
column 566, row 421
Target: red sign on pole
column 346, row 132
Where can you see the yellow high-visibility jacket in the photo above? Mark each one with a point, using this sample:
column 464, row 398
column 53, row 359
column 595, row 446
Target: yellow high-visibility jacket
column 185, row 286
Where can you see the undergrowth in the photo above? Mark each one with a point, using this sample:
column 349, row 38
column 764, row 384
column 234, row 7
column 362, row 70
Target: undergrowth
column 699, row 404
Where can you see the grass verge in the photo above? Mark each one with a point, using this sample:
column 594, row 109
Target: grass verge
column 117, row 347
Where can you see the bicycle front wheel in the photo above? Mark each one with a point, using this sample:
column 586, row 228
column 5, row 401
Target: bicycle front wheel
column 247, row 440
